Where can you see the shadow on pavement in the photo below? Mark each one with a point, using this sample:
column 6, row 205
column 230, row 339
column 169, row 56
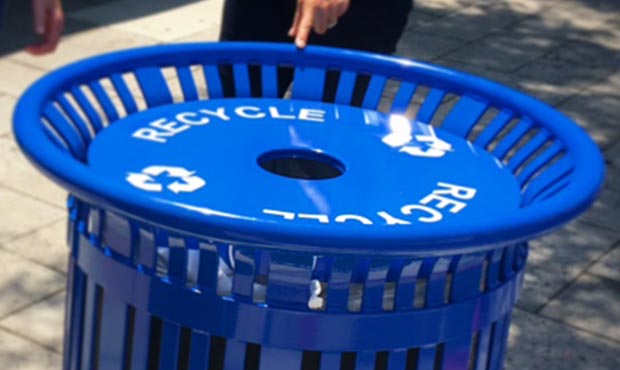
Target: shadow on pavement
column 566, row 53
column 17, row 29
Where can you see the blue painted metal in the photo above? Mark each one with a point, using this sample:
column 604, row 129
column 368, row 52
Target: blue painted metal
column 285, row 327
column 397, row 360
column 475, row 232
column 235, row 355
column 124, row 93
column 112, row 346
column 92, row 311
column 74, row 315
column 199, row 351
column 412, row 258
column 218, row 149
column 403, row 98
column 169, row 348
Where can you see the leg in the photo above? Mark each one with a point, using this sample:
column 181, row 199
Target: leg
column 251, row 20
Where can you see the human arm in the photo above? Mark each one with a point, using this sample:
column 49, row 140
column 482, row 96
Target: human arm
column 49, row 22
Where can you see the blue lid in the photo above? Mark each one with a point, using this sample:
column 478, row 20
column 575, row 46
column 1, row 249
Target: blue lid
column 300, row 162
column 384, row 181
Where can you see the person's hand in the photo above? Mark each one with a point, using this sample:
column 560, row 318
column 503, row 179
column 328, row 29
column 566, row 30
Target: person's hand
column 320, row 15
column 49, row 22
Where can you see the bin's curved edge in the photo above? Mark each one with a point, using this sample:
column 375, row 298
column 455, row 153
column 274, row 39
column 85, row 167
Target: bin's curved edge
column 523, row 224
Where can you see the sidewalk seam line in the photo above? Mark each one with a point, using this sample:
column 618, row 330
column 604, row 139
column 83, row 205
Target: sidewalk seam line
column 570, row 283
column 29, row 305
column 4, row 248
column 28, row 339
column 572, row 327
column 32, row 197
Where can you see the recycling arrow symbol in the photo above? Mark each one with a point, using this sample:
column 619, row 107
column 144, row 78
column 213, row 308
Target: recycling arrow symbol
column 145, row 180
column 432, row 147
column 416, row 139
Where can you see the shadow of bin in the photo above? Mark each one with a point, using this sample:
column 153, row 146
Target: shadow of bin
column 299, row 232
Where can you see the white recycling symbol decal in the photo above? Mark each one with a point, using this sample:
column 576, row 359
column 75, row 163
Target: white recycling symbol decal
column 430, row 146
column 187, row 181
column 416, row 139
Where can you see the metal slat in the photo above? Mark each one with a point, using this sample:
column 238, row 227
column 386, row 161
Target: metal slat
column 374, row 92
column 241, row 76
column 66, row 130
column 496, row 126
column 243, row 280
column 403, row 97
column 308, row 83
column 75, row 117
column 539, row 162
column 269, row 81
column 548, row 178
column 275, row 358
column 214, row 81
column 513, row 137
column 431, row 104
column 104, row 100
column 464, row 115
column 87, row 107
column 528, row 149
column 346, row 84
column 113, row 333
column 188, row 85
column 154, row 86
column 289, row 281
column 124, row 93
column 199, row 351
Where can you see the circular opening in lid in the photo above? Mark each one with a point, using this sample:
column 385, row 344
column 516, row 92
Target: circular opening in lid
column 302, row 164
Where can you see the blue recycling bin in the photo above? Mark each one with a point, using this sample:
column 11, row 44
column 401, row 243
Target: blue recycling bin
column 374, row 216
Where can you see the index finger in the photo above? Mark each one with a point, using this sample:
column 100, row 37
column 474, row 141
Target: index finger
column 305, row 26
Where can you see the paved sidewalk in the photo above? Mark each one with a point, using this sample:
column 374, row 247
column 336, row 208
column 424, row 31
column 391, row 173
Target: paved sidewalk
column 566, row 52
